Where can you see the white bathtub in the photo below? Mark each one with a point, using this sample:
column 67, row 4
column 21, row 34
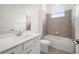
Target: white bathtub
column 62, row 43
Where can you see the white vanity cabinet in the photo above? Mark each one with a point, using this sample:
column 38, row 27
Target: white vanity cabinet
column 31, row 46
column 34, row 49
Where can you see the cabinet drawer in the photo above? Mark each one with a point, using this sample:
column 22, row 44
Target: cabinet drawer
column 34, row 49
column 16, row 50
column 28, row 44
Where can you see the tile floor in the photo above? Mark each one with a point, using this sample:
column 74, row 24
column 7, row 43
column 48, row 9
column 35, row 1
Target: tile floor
column 52, row 50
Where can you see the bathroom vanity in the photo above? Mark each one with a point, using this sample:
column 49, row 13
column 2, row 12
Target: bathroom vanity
column 28, row 43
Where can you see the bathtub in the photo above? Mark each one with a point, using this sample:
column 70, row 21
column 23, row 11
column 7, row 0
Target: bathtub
column 65, row 44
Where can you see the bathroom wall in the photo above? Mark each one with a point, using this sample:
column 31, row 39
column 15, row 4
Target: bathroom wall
column 77, row 23
column 14, row 17
column 60, row 26
column 43, row 12
column 73, row 14
column 50, row 7
column 35, row 18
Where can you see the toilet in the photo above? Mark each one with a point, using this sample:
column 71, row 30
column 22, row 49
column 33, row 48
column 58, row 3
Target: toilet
column 44, row 45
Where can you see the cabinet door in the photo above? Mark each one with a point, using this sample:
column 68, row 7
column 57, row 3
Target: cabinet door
column 16, row 50
column 35, row 49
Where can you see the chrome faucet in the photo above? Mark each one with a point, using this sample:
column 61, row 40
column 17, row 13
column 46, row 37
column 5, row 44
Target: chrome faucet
column 19, row 33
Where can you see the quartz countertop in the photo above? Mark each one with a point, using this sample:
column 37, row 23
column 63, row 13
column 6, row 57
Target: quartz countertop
column 13, row 40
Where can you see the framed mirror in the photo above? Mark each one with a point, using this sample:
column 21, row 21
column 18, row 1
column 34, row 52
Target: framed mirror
column 28, row 22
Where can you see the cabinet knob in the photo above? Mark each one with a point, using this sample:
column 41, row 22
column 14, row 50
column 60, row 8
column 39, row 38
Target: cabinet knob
column 12, row 53
column 28, row 52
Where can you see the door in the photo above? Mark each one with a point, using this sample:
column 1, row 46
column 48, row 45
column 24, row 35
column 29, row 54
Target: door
column 77, row 28
column 35, row 49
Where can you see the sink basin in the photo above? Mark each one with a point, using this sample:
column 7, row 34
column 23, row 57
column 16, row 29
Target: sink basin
column 24, row 36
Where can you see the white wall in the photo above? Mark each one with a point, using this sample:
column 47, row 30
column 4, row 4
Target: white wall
column 77, row 27
column 43, row 12
column 77, row 23
column 35, row 18
column 14, row 16
column 50, row 7
column 73, row 19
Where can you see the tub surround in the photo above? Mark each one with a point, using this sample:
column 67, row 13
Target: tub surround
column 12, row 41
column 59, row 26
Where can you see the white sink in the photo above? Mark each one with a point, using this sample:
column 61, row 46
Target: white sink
column 24, row 36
